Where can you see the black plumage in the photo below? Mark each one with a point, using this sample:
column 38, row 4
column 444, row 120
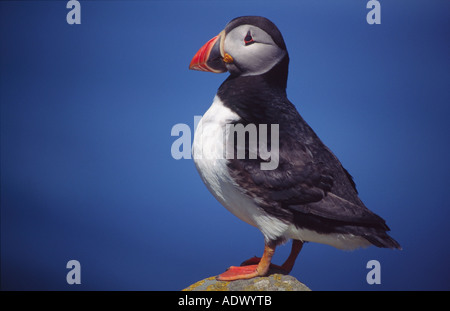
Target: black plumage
column 309, row 188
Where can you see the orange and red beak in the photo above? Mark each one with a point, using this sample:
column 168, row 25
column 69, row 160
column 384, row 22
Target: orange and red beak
column 210, row 56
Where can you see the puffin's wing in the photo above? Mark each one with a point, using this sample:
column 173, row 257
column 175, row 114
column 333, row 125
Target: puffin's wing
column 333, row 207
column 309, row 179
column 296, row 182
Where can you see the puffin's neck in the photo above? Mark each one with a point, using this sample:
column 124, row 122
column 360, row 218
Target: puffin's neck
column 275, row 78
column 255, row 94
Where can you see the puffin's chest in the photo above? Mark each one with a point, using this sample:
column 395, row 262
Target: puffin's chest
column 209, row 149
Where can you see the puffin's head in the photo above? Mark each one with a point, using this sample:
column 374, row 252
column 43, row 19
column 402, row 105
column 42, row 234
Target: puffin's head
column 249, row 45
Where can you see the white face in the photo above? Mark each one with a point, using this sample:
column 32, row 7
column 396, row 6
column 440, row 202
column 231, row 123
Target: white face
column 252, row 49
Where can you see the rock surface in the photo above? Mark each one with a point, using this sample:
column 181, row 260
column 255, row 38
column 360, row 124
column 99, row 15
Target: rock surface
column 273, row 282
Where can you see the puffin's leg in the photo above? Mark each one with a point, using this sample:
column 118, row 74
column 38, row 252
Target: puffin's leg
column 250, row 271
column 288, row 264
column 290, row 261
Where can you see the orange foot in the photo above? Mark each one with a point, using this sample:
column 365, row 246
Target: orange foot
column 239, row 273
column 255, row 266
column 251, row 270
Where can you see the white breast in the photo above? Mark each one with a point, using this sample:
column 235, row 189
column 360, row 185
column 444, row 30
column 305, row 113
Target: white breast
column 210, row 160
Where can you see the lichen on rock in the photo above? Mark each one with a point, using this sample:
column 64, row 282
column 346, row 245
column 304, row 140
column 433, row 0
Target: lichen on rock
column 273, row 282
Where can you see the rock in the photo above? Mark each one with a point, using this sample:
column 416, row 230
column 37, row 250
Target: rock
column 273, row 282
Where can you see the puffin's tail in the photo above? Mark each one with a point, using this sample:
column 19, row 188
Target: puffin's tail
column 382, row 240
column 334, row 214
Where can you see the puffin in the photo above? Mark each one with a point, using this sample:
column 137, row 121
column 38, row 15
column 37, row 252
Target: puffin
column 299, row 190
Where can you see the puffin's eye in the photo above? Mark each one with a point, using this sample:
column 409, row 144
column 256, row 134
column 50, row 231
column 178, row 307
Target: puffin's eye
column 248, row 39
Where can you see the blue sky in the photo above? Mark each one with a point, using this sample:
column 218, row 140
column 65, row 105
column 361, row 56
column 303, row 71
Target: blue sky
column 86, row 118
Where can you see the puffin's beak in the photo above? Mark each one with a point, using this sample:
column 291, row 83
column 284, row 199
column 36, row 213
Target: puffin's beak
column 210, row 56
